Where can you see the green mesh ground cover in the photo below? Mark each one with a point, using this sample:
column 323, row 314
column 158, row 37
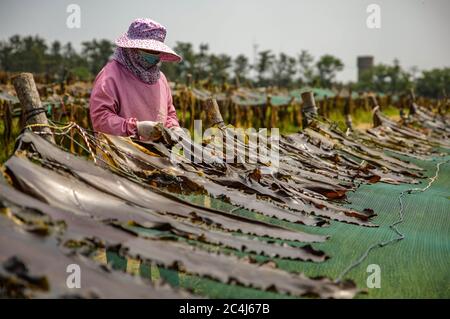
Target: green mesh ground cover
column 319, row 93
column 416, row 267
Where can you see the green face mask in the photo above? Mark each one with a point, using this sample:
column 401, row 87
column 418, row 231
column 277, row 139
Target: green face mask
column 150, row 58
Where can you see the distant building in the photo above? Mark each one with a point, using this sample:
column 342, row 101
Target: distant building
column 364, row 63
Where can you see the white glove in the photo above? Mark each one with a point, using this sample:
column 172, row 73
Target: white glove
column 149, row 130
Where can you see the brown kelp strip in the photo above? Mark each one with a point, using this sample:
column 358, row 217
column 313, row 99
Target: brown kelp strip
column 217, row 266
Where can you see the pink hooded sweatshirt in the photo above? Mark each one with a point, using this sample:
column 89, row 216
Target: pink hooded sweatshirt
column 119, row 99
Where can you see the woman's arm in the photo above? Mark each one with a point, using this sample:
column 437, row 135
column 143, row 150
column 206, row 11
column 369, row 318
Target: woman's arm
column 104, row 108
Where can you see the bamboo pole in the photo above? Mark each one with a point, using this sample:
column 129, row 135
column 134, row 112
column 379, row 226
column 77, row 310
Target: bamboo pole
column 31, row 104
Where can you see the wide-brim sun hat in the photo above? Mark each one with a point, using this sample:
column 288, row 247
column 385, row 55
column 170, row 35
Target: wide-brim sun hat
column 147, row 34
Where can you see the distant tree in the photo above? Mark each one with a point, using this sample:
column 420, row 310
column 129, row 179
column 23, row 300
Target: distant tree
column 327, row 67
column 434, row 83
column 241, row 67
column 76, row 65
column 263, row 65
column 23, row 54
column 284, row 70
column 188, row 64
column 306, row 67
column 97, row 53
column 54, row 61
column 58, row 61
column 389, row 79
column 202, row 62
column 6, row 56
column 219, row 67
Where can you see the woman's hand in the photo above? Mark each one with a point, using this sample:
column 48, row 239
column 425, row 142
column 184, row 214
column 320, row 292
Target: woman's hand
column 149, row 130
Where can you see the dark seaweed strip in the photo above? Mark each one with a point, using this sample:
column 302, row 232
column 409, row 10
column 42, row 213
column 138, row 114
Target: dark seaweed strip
column 83, row 200
column 44, row 260
column 217, row 266
column 149, row 197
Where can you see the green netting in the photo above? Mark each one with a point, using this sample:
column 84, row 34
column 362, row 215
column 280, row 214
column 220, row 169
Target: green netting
column 416, row 267
column 319, row 93
column 255, row 99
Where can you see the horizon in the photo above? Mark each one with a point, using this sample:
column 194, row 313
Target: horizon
column 410, row 30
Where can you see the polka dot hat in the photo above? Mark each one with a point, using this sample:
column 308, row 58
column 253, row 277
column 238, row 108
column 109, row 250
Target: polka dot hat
column 148, row 35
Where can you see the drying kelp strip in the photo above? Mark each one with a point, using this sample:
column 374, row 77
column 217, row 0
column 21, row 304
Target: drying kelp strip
column 217, row 266
column 325, row 164
column 433, row 138
column 383, row 169
column 300, row 202
column 234, row 178
column 65, row 191
column 349, row 140
column 139, row 161
column 68, row 193
column 435, row 123
column 33, row 267
column 237, row 178
column 342, row 147
column 151, row 198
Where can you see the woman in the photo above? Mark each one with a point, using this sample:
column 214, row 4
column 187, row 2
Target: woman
column 131, row 96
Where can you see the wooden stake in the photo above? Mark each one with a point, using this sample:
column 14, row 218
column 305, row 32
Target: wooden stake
column 375, row 111
column 309, row 109
column 213, row 113
column 348, row 106
column 31, row 104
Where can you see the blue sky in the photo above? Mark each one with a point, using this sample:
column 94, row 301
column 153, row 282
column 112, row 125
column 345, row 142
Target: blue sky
column 414, row 31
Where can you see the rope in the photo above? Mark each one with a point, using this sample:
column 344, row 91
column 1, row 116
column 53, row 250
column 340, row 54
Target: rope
column 66, row 129
column 32, row 112
column 84, row 136
column 393, row 226
column 49, row 126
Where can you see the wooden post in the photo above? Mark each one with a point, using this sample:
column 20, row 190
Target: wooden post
column 272, row 122
column 31, row 104
column 348, row 107
column 445, row 102
column 412, row 103
column 188, row 80
column 412, row 96
column 375, row 111
column 309, row 108
column 213, row 113
column 373, row 101
column 192, row 100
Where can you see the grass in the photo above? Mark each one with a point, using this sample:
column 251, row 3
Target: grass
column 6, row 149
column 361, row 118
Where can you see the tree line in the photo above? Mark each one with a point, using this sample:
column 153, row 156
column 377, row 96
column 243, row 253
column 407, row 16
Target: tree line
column 58, row 61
